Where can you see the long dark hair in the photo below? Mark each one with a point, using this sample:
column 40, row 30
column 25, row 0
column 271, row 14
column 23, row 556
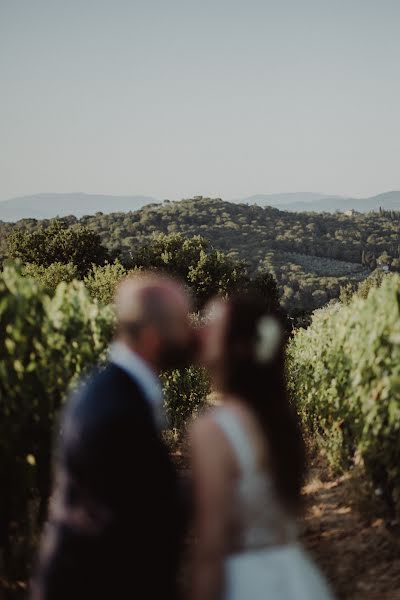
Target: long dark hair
column 262, row 385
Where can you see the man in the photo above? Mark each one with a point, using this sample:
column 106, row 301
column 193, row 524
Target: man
column 116, row 520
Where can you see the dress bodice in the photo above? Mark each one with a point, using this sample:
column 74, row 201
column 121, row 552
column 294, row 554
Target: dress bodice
column 257, row 517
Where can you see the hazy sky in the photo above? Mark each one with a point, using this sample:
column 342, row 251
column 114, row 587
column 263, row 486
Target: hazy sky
column 221, row 98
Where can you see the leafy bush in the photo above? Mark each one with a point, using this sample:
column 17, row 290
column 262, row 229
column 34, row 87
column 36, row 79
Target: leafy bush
column 48, row 341
column 206, row 271
column 57, row 243
column 344, row 374
column 185, row 392
column 362, row 289
column 306, row 252
column 101, row 281
column 52, row 275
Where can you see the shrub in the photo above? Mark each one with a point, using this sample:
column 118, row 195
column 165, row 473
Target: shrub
column 52, row 275
column 362, row 289
column 344, row 373
column 185, row 391
column 206, row 271
column 57, row 243
column 48, row 341
column 101, row 281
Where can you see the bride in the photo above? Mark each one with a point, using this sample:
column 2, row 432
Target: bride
column 248, row 466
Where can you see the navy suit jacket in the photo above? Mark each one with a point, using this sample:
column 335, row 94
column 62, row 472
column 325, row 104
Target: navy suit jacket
column 116, row 517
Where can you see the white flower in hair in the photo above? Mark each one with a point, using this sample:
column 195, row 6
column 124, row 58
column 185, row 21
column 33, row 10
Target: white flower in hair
column 215, row 311
column 269, row 336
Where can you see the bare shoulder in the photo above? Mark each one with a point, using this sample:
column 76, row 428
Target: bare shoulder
column 207, row 438
column 204, row 429
column 204, row 425
column 253, row 430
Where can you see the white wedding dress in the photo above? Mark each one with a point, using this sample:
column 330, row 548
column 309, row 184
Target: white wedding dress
column 268, row 563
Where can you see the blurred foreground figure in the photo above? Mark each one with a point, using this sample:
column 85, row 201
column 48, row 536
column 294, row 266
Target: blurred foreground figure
column 248, row 465
column 116, row 518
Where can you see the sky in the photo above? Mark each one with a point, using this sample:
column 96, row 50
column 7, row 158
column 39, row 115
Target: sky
column 215, row 98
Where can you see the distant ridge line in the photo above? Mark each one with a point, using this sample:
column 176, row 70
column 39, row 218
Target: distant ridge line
column 48, row 205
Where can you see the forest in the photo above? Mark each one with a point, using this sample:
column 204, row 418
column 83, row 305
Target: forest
column 311, row 255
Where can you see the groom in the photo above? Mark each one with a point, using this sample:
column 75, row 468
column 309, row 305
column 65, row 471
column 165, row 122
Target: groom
column 116, row 518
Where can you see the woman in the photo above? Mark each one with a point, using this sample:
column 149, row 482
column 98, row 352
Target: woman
column 248, row 465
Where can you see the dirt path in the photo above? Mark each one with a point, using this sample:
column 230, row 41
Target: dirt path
column 359, row 556
column 357, row 553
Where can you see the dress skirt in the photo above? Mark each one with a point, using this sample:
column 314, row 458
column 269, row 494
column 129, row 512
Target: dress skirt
column 278, row 573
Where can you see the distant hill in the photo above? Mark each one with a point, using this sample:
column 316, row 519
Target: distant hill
column 313, row 202
column 311, row 255
column 47, row 206
column 287, row 198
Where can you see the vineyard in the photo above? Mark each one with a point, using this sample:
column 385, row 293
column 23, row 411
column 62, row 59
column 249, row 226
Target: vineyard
column 344, row 375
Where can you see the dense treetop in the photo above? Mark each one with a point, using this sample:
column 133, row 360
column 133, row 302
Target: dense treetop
column 58, row 243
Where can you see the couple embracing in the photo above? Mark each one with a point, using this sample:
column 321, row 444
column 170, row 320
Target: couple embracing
column 119, row 514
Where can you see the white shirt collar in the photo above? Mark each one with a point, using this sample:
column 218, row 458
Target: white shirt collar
column 130, row 362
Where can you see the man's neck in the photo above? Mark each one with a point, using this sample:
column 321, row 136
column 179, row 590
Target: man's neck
column 141, row 352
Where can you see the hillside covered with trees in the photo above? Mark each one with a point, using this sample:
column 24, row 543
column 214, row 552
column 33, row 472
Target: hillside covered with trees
column 311, row 255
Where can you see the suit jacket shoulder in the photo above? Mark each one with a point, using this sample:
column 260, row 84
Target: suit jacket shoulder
column 116, row 524
column 107, row 422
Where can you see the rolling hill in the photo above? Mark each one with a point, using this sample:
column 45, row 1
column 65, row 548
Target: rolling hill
column 311, row 254
column 48, row 206
column 312, row 202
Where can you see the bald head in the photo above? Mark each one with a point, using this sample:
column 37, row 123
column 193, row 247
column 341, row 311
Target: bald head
column 153, row 317
column 142, row 297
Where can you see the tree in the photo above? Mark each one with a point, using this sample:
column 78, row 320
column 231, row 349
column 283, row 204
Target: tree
column 78, row 245
column 173, row 253
column 101, row 281
column 363, row 289
column 49, row 339
column 216, row 274
column 265, row 284
column 208, row 272
column 52, row 275
column 325, row 251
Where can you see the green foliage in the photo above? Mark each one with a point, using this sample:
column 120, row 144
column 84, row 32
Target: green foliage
column 345, row 376
column 308, row 282
column 173, row 254
column 48, row 341
column 57, row 243
column 206, row 271
column 362, row 290
column 52, row 275
column 185, row 393
column 101, row 281
column 216, row 274
column 310, row 255
column 265, row 284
